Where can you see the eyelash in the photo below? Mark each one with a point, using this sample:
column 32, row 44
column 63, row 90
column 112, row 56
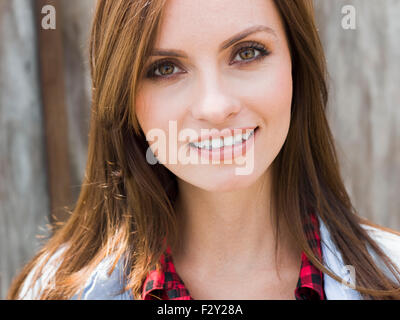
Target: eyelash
column 252, row 45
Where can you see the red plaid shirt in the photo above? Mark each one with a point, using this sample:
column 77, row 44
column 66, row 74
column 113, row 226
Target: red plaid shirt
column 165, row 284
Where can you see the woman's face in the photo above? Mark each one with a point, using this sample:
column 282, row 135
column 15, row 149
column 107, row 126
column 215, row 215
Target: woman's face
column 211, row 82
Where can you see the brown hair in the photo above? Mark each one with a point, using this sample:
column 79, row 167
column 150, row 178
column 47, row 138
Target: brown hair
column 126, row 206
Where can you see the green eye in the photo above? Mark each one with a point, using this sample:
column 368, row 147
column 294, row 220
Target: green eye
column 165, row 69
column 247, row 54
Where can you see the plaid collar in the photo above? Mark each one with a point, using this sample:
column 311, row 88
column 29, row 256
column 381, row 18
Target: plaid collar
column 165, row 284
column 310, row 285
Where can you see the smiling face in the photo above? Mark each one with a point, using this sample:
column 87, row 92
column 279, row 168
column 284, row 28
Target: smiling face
column 230, row 69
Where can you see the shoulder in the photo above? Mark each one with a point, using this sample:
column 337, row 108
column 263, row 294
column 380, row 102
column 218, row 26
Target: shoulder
column 387, row 239
column 104, row 286
column 31, row 290
column 100, row 285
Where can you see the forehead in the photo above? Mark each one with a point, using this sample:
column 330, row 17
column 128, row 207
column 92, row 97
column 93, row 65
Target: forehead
column 201, row 22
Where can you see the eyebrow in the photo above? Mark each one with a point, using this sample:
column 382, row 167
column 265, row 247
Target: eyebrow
column 227, row 43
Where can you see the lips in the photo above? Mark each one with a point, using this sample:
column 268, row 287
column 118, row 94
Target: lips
column 226, row 137
column 227, row 153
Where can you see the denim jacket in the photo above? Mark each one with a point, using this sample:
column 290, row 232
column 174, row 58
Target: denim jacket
column 100, row 286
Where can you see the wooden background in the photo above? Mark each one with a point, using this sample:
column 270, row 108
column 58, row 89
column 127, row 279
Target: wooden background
column 45, row 101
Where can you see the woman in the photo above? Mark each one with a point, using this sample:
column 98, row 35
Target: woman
column 154, row 223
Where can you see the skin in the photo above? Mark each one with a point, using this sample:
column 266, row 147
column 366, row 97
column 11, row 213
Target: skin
column 227, row 249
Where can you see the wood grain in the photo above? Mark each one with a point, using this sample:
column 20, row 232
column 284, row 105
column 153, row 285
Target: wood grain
column 24, row 201
column 364, row 110
column 51, row 66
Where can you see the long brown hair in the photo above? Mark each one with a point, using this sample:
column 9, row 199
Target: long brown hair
column 126, row 206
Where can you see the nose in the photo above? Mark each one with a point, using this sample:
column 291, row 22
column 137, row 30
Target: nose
column 214, row 103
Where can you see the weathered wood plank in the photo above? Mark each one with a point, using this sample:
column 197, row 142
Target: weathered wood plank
column 51, row 66
column 77, row 15
column 23, row 191
column 364, row 111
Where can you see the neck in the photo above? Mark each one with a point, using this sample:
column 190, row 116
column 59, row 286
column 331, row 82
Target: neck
column 228, row 231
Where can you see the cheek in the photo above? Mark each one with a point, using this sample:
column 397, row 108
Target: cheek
column 152, row 112
column 159, row 118
column 272, row 94
column 156, row 105
column 272, row 100
column 142, row 109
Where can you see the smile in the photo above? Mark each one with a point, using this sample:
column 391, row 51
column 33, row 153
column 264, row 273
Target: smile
column 218, row 143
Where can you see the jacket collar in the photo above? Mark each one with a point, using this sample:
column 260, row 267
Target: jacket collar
column 102, row 286
column 333, row 260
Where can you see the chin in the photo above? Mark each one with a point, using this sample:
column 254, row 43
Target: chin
column 221, row 180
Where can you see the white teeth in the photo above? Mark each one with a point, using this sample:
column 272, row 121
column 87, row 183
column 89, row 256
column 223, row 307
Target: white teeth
column 205, row 144
column 217, row 143
column 225, row 142
column 228, row 141
column 238, row 138
column 246, row 136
